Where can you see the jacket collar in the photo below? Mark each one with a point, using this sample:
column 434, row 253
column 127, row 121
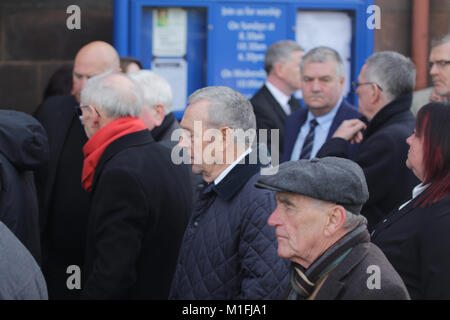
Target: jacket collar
column 393, row 108
column 158, row 132
column 130, row 140
column 235, row 179
column 334, row 284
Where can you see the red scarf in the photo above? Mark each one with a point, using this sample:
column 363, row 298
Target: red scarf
column 96, row 145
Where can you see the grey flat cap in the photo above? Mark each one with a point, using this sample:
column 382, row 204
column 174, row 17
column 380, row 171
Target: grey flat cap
column 330, row 179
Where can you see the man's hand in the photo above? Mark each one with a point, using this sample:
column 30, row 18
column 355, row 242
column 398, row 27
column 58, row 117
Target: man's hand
column 350, row 130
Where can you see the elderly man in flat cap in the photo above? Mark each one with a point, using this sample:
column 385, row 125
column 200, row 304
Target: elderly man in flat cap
column 319, row 228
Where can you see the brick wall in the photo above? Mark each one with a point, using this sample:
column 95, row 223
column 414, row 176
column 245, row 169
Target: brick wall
column 34, row 39
column 34, row 42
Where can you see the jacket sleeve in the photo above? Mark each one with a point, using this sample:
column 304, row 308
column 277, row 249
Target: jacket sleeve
column 334, row 147
column 379, row 158
column 264, row 273
column 435, row 260
column 120, row 218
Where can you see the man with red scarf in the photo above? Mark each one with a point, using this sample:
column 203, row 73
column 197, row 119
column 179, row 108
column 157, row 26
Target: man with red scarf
column 140, row 200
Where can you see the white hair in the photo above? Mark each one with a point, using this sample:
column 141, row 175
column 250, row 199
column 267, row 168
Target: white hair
column 227, row 108
column 155, row 89
column 115, row 93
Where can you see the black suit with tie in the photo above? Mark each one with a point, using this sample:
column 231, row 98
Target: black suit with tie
column 269, row 114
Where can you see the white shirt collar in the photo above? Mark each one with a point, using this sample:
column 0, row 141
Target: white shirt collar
column 415, row 193
column 231, row 166
column 280, row 97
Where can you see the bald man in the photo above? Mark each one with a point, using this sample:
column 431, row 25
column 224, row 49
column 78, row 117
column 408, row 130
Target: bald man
column 62, row 201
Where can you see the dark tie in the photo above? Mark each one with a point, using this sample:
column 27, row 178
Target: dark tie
column 294, row 104
column 308, row 144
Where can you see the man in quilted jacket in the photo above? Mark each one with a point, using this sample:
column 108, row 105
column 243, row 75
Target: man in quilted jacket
column 228, row 250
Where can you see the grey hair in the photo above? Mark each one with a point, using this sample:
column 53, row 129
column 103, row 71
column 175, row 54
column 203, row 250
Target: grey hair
column 440, row 40
column 113, row 97
column 227, row 108
column 155, row 89
column 353, row 220
column 393, row 72
column 280, row 52
column 324, row 54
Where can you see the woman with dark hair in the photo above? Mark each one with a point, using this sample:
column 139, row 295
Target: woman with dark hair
column 416, row 237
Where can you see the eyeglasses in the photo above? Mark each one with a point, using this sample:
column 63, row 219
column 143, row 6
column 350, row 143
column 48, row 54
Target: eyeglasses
column 355, row 85
column 80, row 115
column 440, row 64
column 79, row 108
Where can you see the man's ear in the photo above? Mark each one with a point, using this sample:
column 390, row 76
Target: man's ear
column 159, row 114
column 277, row 69
column 336, row 219
column 95, row 116
column 375, row 94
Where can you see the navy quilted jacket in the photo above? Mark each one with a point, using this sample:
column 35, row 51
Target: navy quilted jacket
column 228, row 250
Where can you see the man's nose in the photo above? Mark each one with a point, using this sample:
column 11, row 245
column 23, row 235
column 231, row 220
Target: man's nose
column 434, row 69
column 316, row 85
column 273, row 220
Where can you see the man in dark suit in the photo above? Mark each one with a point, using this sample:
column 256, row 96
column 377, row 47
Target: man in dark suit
column 63, row 203
column 140, row 200
column 275, row 100
column 306, row 130
column 384, row 89
column 320, row 230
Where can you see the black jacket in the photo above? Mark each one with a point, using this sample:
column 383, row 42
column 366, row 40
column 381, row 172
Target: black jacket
column 417, row 243
column 63, row 203
column 270, row 115
column 140, row 205
column 167, row 127
column 23, row 149
column 382, row 155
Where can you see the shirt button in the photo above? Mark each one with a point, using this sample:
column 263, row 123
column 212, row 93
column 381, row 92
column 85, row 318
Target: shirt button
column 385, row 220
column 195, row 223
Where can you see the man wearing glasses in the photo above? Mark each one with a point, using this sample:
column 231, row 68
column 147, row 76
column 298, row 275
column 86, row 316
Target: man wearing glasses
column 439, row 65
column 63, row 204
column 384, row 89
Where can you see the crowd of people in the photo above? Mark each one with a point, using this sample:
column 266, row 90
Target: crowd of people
column 359, row 208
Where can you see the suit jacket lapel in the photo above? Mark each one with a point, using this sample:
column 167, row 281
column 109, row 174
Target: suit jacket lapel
column 298, row 122
column 275, row 106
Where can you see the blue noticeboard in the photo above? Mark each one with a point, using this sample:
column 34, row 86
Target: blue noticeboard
column 226, row 40
column 245, row 32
